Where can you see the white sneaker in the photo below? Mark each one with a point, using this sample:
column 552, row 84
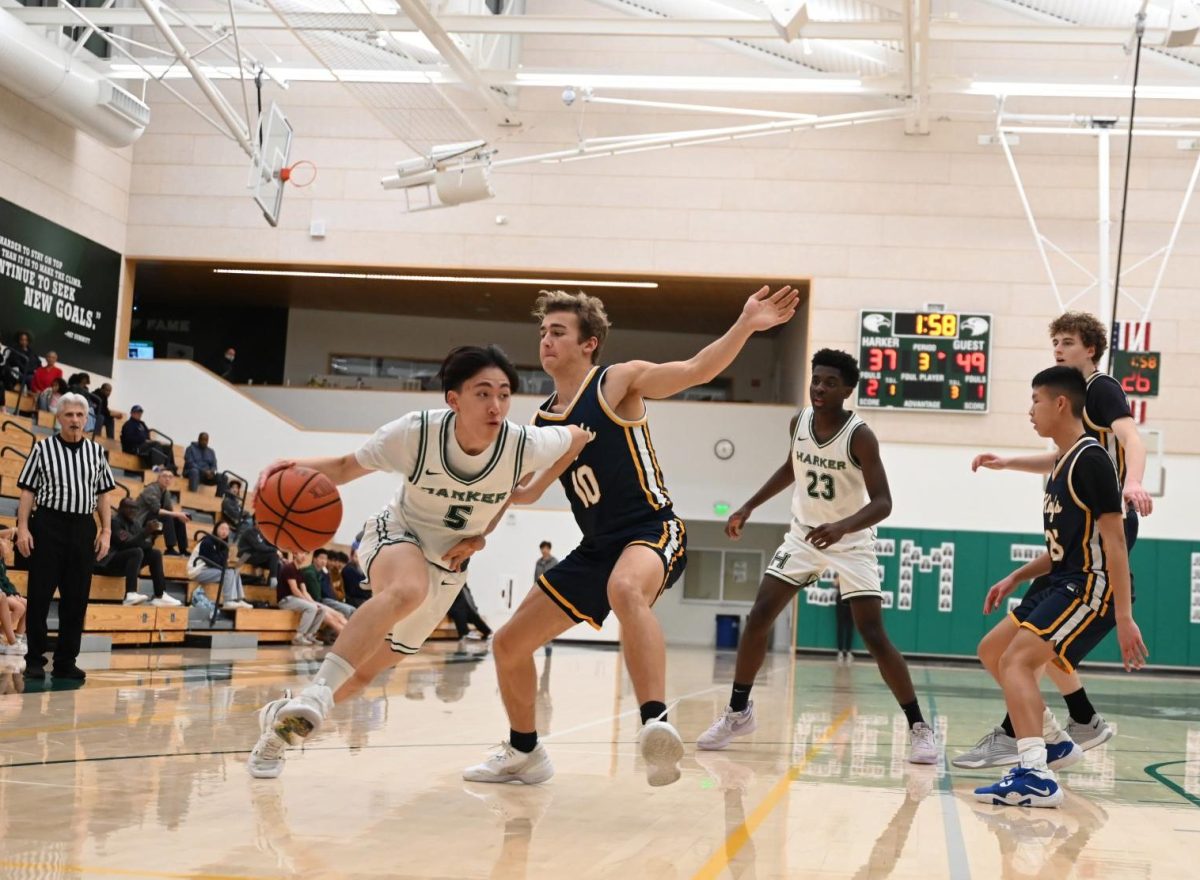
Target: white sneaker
column 266, row 758
column 165, row 601
column 509, row 765
column 301, row 640
column 662, row 749
column 135, row 598
column 231, row 606
column 922, row 744
column 730, row 725
column 242, row 603
column 302, row 716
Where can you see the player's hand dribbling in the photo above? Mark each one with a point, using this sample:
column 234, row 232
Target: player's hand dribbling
column 1133, row 650
column 280, row 464
column 999, row 591
column 1138, row 498
column 735, row 523
column 988, row 460
column 825, row 535
column 765, row 310
column 462, row 551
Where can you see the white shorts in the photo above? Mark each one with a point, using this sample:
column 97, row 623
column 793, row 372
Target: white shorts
column 384, row 530
column 800, row 563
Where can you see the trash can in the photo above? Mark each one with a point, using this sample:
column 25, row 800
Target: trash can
column 728, row 626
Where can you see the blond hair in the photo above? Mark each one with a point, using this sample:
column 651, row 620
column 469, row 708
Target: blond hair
column 588, row 310
column 1091, row 331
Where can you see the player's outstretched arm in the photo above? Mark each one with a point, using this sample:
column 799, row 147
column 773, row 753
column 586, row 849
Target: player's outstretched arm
column 1135, row 466
column 762, row 311
column 1129, row 637
column 340, row 469
column 783, row 477
column 532, row 486
column 865, row 449
column 1042, row 463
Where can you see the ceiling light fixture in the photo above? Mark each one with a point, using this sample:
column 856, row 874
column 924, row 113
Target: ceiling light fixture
column 459, row 279
column 765, row 84
column 1079, row 90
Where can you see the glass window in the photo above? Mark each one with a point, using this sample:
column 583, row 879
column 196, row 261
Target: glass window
column 742, row 570
column 722, row 575
column 702, row 577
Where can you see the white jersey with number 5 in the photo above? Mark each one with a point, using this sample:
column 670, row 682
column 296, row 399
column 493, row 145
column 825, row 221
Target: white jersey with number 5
column 448, row 495
column 829, row 482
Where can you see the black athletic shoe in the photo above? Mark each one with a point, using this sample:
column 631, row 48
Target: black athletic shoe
column 35, row 671
column 73, row 673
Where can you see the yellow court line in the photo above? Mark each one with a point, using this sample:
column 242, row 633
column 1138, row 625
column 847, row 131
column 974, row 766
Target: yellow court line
column 740, row 836
column 124, row 872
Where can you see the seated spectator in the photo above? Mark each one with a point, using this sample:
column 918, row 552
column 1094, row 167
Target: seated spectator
column 352, row 578
column 200, row 466
column 131, row 549
column 106, row 419
column 231, row 505
column 337, row 562
column 210, row 565
column 157, row 503
column 290, row 596
column 135, row 439
column 47, row 400
column 16, row 370
column 328, row 598
column 43, row 377
column 254, row 548
column 334, row 619
column 12, row 605
column 463, row 612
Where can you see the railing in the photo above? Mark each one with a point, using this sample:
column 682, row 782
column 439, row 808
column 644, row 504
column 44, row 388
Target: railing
column 200, row 535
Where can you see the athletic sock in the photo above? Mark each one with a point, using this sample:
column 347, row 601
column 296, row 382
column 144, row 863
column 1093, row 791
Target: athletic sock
column 912, row 711
column 1032, row 752
column 523, row 742
column 1008, row 728
column 653, row 710
column 740, row 698
column 334, row 671
column 1079, row 706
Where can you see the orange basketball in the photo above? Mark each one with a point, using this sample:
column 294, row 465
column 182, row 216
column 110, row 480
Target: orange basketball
column 298, row 509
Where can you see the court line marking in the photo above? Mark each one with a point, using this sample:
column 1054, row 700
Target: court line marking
column 1152, row 771
column 956, row 845
column 82, row 870
column 740, row 836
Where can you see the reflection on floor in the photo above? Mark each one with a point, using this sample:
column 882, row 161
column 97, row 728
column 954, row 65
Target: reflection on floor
column 140, row 774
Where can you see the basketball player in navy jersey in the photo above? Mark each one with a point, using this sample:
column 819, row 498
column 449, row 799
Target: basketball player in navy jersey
column 1089, row 591
column 1079, row 340
column 841, row 493
column 633, row 543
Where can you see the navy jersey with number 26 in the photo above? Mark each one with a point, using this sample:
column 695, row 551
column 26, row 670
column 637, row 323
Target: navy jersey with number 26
column 615, row 482
column 1082, row 488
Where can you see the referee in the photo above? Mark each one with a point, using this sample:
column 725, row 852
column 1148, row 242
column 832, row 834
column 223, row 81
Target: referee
column 67, row 475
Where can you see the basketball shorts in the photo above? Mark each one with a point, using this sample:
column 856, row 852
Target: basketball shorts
column 384, row 530
column 579, row 584
column 799, row 563
column 1043, row 582
column 1072, row 617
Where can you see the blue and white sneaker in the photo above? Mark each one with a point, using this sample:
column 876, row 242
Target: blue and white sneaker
column 1023, row 787
column 1064, row 754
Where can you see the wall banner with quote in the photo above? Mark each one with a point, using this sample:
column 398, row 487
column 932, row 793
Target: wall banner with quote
column 59, row 286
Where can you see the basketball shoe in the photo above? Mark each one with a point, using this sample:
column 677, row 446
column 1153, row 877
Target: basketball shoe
column 1023, row 787
column 510, row 765
column 922, row 744
column 1063, row 752
column 995, row 749
column 266, row 758
column 1096, row 732
column 662, row 748
column 728, row 727
column 302, row 716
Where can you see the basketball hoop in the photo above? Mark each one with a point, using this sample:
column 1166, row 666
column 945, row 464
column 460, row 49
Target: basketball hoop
column 299, row 174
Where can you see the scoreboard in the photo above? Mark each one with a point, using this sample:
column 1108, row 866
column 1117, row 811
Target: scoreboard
column 924, row 360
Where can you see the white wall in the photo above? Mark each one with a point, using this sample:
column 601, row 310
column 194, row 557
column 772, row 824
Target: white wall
column 315, row 334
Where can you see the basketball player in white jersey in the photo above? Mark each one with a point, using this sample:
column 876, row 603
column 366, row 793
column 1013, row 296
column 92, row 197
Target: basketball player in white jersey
column 460, row 468
column 841, row 493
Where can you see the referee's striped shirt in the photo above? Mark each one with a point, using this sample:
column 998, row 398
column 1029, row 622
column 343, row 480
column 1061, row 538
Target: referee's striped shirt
column 67, row 477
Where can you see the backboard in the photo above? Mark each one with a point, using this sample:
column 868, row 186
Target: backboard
column 275, row 146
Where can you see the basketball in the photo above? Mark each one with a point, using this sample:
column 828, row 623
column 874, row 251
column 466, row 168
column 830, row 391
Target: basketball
column 298, row 509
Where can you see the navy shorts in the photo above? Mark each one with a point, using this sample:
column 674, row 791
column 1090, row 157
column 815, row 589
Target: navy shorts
column 579, row 584
column 1043, row 582
column 1073, row 616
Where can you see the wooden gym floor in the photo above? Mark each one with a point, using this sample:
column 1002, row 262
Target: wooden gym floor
column 139, row 774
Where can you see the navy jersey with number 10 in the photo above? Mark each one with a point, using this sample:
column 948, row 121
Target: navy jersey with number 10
column 615, row 482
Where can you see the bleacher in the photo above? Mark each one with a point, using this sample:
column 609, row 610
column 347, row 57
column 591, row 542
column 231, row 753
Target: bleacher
column 144, row 624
